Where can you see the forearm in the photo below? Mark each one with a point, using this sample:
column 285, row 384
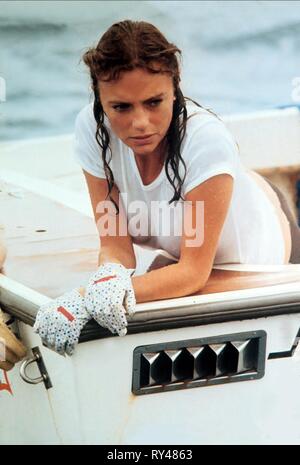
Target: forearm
column 166, row 283
column 109, row 255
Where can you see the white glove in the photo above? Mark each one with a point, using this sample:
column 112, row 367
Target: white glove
column 109, row 295
column 60, row 321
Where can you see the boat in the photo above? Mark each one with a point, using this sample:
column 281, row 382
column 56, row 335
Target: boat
column 218, row 367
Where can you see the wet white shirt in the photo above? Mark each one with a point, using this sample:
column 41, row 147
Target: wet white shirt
column 251, row 233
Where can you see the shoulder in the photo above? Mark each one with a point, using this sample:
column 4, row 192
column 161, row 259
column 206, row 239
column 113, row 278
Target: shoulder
column 85, row 120
column 207, row 135
column 85, row 126
column 204, row 125
column 85, row 115
column 208, row 148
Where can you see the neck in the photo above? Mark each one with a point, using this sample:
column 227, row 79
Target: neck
column 154, row 159
column 150, row 166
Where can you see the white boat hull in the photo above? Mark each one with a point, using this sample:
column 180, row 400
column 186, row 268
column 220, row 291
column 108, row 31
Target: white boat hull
column 91, row 399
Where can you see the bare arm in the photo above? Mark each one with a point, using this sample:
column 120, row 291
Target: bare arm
column 192, row 271
column 114, row 248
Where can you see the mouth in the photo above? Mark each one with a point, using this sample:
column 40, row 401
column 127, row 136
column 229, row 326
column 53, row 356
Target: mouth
column 142, row 140
column 142, row 137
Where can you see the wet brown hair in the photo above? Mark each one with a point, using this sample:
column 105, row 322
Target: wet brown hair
column 127, row 45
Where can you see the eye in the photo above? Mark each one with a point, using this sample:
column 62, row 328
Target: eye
column 121, row 107
column 155, row 103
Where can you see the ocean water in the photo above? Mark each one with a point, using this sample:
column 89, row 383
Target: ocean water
column 237, row 56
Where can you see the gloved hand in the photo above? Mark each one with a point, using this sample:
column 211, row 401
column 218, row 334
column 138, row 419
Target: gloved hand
column 60, row 321
column 109, row 295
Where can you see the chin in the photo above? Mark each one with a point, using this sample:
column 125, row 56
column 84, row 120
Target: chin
column 144, row 149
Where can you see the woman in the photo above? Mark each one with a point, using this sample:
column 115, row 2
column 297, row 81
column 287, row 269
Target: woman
column 142, row 138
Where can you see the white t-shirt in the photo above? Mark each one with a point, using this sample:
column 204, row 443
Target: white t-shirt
column 251, row 233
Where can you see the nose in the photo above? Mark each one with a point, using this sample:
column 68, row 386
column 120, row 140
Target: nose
column 140, row 120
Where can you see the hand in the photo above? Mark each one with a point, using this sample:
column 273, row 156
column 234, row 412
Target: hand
column 60, row 321
column 109, row 294
column 11, row 349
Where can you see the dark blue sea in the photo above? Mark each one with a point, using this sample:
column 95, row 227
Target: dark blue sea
column 238, row 56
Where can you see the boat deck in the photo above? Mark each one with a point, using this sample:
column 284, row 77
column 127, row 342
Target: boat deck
column 48, row 225
column 53, row 248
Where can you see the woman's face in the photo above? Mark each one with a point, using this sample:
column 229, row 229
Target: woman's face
column 139, row 106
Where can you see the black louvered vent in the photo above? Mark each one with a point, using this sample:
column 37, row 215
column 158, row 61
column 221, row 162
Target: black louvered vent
column 198, row 362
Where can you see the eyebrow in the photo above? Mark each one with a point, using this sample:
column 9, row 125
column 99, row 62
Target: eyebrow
column 145, row 101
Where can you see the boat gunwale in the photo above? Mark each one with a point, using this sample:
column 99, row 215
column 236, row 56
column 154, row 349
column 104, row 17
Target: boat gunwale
column 23, row 304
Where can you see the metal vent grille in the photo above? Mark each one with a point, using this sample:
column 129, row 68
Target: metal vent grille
column 198, row 362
